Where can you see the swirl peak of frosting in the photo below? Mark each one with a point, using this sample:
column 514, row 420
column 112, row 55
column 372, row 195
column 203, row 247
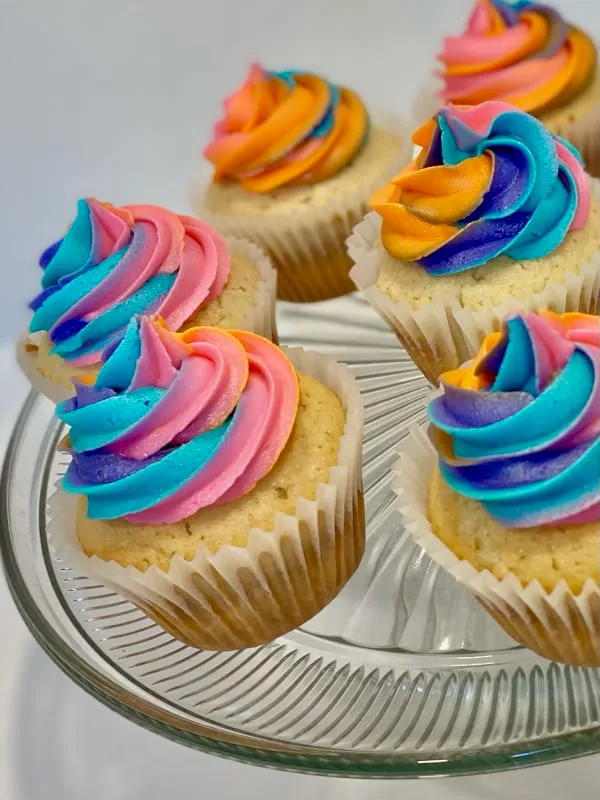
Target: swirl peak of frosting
column 286, row 129
column 176, row 422
column 518, row 429
column 520, row 52
column 114, row 263
column 490, row 180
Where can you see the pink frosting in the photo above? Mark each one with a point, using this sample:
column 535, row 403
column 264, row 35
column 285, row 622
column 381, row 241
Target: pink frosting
column 211, row 374
column 159, row 242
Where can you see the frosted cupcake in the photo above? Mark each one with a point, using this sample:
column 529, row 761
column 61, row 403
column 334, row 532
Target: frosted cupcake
column 494, row 214
column 114, row 263
column 506, row 495
column 215, row 482
column 526, row 54
column 296, row 159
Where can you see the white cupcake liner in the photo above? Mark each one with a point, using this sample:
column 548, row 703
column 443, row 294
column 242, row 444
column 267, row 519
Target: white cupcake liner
column 245, row 596
column 557, row 625
column 442, row 334
column 307, row 244
column 261, row 319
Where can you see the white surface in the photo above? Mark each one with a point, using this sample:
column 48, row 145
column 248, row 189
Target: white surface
column 115, row 99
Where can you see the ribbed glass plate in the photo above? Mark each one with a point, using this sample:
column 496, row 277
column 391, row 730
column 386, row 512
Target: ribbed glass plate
column 403, row 675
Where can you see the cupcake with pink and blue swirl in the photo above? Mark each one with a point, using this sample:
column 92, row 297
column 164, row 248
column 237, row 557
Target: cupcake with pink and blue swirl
column 494, row 214
column 114, row 263
column 505, row 492
column 214, row 480
column 295, row 159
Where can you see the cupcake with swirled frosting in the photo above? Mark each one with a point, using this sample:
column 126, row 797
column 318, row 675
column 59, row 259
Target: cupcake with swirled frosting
column 215, row 481
column 295, row 160
column 114, row 263
column 494, row 214
column 525, row 53
column 506, row 494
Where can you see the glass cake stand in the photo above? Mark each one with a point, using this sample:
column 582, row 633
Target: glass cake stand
column 402, row 676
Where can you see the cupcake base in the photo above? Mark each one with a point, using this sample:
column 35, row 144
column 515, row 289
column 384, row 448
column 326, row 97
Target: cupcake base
column 247, row 303
column 558, row 624
column 244, row 596
column 579, row 123
column 304, row 228
column 443, row 321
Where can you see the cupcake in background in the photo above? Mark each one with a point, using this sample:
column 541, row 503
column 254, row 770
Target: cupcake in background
column 296, row 159
column 114, row 263
column 506, row 494
column 215, row 482
column 526, row 54
column 494, row 214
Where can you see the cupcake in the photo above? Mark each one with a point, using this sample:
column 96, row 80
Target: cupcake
column 494, row 214
column 296, row 159
column 215, row 482
column 506, row 494
column 526, row 54
column 114, row 263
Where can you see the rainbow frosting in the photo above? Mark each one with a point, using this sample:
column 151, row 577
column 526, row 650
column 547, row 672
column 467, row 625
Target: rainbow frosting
column 521, row 52
column 178, row 422
column 518, row 430
column 286, row 129
column 490, row 180
column 114, row 263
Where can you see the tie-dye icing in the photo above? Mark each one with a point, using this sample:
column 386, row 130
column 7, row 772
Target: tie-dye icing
column 519, row 429
column 285, row 129
column 178, row 422
column 114, row 263
column 489, row 181
column 523, row 53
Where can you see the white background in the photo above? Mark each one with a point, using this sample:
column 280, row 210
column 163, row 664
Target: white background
column 115, row 98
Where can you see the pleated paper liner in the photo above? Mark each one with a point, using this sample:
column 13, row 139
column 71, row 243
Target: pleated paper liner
column 558, row 625
column 261, row 318
column 307, row 245
column 443, row 334
column 245, row 596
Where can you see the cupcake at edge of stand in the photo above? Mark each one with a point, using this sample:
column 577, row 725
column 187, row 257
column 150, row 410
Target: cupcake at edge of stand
column 215, row 482
column 296, row 159
column 525, row 53
column 505, row 492
column 114, row 263
column 494, row 214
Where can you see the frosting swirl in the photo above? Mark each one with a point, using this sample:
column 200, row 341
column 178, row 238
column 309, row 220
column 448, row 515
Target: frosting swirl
column 521, row 52
column 285, row 129
column 490, row 180
column 519, row 429
column 177, row 422
column 114, row 263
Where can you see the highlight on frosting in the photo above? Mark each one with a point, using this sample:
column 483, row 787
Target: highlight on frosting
column 176, row 422
column 520, row 52
column 286, row 129
column 114, row 263
column 490, row 180
column 519, row 429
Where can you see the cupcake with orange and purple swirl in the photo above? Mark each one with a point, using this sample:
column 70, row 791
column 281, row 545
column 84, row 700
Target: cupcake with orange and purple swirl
column 296, row 159
column 215, row 481
column 505, row 492
column 526, row 54
column 494, row 214
column 114, row 263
